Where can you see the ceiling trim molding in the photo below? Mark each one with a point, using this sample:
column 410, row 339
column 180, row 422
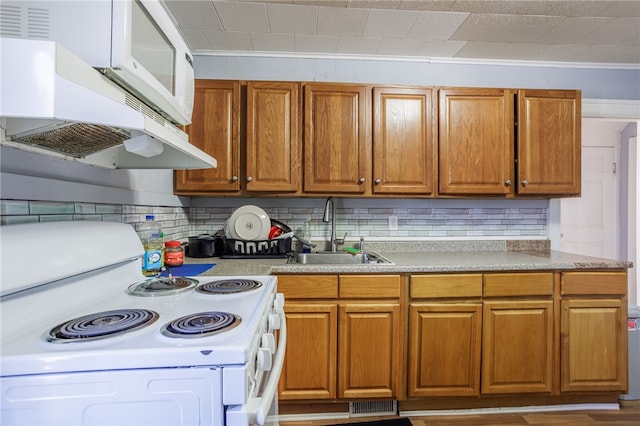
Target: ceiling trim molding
column 618, row 109
column 455, row 61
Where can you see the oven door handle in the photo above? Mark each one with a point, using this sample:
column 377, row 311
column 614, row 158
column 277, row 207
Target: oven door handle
column 255, row 411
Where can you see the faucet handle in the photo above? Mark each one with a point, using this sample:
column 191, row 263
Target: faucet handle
column 341, row 240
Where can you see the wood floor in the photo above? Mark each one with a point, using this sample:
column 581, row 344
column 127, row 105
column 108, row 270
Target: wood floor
column 628, row 415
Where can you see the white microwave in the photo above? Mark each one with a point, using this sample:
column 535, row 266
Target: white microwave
column 136, row 43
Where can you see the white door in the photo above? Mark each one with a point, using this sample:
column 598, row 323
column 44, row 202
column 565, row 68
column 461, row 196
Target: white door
column 589, row 224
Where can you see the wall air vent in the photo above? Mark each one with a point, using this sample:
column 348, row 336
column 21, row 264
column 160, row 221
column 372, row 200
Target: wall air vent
column 25, row 21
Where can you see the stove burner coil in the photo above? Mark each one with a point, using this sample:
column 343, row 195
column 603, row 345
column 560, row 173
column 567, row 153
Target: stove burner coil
column 228, row 286
column 201, row 324
column 101, row 325
column 165, row 286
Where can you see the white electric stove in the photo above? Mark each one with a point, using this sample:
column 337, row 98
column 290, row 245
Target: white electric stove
column 88, row 340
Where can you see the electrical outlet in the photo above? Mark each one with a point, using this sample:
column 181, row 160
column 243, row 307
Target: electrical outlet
column 393, row 223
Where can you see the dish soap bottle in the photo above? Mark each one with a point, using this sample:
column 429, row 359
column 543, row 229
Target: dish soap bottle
column 306, row 235
column 151, row 237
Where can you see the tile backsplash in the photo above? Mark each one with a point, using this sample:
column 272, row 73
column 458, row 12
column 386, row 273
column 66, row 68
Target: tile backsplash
column 413, row 222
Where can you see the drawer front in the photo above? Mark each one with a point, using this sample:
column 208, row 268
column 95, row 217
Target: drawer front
column 446, row 285
column 518, row 284
column 308, row 286
column 594, row 283
column 370, row 286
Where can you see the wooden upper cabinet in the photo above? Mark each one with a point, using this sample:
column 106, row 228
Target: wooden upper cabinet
column 403, row 147
column 549, row 139
column 476, row 141
column 337, row 138
column 215, row 128
column 273, row 154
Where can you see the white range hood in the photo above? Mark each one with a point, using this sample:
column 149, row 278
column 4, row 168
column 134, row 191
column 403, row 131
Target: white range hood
column 53, row 103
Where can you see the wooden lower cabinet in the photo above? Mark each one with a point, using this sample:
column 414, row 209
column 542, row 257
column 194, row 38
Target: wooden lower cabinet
column 518, row 333
column 594, row 332
column 345, row 337
column 517, row 348
column 477, row 336
column 310, row 364
column 369, row 350
column 445, row 329
column 444, row 358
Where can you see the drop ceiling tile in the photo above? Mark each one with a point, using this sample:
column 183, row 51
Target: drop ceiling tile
column 374, row 4
column 315, row 43
column 399, row 47
column 622, row 54
column 226, row 40
column 481, row 6
column 495, row 50
column 436, row 25
column 325, row 3
column 621, row 9
column 531, row 7
column 431, row 5
column 196, row 39
column 341, row 22
column 271, row 42
column 564, row 53
column 440, row 48
column 286, row 18
column 572, row 30
column 358, row 45
column 243, row 16
column 505, row 28
column 190, row 14
column 389, row 23
column 623, row 31
column 594, row 54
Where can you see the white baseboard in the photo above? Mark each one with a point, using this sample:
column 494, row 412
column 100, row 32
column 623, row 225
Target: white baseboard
column 511, row 410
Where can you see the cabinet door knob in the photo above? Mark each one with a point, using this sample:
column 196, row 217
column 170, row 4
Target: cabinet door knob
column 234, row 178
column 525, row 182
column 507, row 182
column 249, row 178
column 362, row 180
column 378, row 181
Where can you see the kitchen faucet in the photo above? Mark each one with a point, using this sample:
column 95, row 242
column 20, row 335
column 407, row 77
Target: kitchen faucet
column 330, row 208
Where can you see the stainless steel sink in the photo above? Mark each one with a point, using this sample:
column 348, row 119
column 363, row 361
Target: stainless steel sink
column 339, row 258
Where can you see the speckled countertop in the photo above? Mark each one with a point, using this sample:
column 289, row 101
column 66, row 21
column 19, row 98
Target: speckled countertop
column 462, row 256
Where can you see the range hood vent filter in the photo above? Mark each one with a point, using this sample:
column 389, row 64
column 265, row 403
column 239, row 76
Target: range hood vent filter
column 76, row 140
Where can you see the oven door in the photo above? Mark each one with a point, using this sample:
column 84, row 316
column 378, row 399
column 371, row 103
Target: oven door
column 262, row 408
column 145, row 397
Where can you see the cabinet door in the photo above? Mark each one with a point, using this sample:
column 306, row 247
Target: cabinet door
column 309, row 370
column 403, row 149
column 476, row 141
column 273, row 155
column 337, row 138
column 549, row 140
column 370, row 350
column 517, row 346
column 444, row 349
column 215, row 128
column 593, row 352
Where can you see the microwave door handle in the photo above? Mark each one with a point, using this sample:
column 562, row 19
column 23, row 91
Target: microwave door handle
column 255, row 411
